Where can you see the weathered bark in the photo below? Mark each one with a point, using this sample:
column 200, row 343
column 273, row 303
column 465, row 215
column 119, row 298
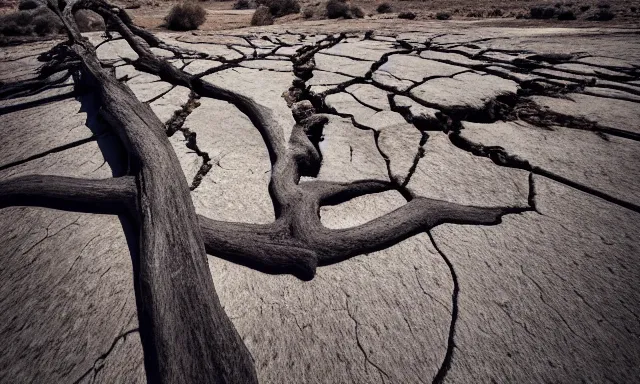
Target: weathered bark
column 186, row 335
column 108, row 196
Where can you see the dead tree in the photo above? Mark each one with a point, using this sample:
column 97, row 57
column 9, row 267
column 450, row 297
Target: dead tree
column 186, row 335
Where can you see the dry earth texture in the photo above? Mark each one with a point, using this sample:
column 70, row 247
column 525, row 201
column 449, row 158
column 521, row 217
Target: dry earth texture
column 429, row 202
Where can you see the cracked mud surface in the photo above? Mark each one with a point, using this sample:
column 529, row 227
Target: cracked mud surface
column 483, row 117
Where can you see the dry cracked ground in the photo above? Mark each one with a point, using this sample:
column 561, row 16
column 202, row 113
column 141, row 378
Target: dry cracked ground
column 545, row 122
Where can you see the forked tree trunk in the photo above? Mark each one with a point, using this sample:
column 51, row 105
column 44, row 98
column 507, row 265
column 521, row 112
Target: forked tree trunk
column 188, row 338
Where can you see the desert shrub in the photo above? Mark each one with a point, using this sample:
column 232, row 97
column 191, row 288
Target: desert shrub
column 337, row 9
column 46, row 25
column 308, row 13
column 443, row 16
column 542, row 12
column 603, row 14
column 604, row 6
column 407, row 15
column 356, row 12
column 244, row 4
column 634, row 9
column 585, row 8
column 475, row 14
column 567, row 14
column 185, row 17
column 15, row 24
column 89, row 21
column 26, row 5
column 41, row 21
column 279, row 8
column 262, row 16
column 384, row 8
column 496, row 12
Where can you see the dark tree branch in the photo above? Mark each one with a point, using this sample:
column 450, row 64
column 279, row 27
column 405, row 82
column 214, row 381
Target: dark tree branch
column 418, row 215
column 108, row 196
column 186, row 335
column 266, row 248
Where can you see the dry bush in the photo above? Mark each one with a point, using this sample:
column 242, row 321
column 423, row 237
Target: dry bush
column 337, row 9
column 26, row 5
column 244, row 4
column 407, row 15
column 185, row 17
column 356, row 12
column 566, row 14
column 585, row 8
column 384, row 8
column 89, row 21
column 40, row 21
column 262, row 16
column 496, row 12
column 476, row 13
column 539, row 12
column 308, row 13
column 602, row 14
column 443, row 16
column 279, row 8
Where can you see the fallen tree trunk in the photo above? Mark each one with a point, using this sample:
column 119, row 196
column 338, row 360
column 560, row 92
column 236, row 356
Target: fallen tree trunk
column 186, row 334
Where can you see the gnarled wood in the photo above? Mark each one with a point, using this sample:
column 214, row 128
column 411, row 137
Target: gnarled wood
column 110, row 196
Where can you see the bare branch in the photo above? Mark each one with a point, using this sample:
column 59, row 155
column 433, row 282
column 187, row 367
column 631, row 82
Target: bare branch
column 333, row 193
column 109, row 196
column 418, row 215
column 266, row 248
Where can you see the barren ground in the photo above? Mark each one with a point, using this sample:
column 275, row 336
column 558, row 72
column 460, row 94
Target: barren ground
column 541, row 120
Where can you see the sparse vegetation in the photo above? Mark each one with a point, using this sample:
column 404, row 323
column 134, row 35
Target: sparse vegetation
column 496, row 12
column 602, row 14
column 384, row 8
column 585, row 8
column 26, row 5
column 89, row 21
column 407, row 15
column 279, row 8
column 244, row 4
column 262, row 16
column 356, row 12
column 186, row 17
column 566, row 14
column 337, row 9
column 542, row 12
column 443, row 16
column 308, row 13
column 39, row 21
